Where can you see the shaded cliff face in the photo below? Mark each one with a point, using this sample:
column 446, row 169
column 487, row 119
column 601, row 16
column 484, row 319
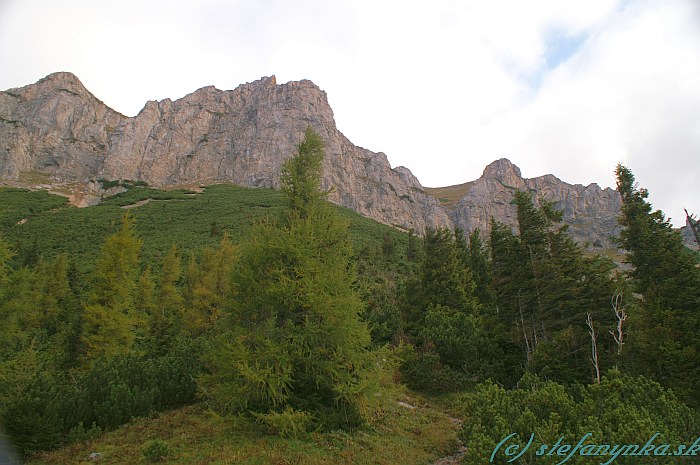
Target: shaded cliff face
column 591, row 212
column 57, row 127
column 54, row 126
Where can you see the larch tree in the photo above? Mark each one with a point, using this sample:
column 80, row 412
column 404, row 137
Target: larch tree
column 108, row 317
column 295, row 346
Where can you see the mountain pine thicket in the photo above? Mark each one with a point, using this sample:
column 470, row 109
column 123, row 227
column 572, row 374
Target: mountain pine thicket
column 295, row 321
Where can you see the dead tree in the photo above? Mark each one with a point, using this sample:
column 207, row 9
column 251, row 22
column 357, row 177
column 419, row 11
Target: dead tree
column 594, row 347
column 621, row 316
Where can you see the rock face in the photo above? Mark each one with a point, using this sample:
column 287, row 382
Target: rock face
column 55, row 128
column 690, row 233
column 591, row 212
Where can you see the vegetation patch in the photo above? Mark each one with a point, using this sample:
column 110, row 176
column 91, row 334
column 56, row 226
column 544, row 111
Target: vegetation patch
column 449, row 196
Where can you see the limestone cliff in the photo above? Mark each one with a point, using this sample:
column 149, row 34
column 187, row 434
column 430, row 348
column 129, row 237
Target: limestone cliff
column 57, row 128
column 57, row 131
column 590, row 211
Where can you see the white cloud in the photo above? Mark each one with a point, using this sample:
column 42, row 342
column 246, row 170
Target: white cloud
column 442, row 87
column 630, row 95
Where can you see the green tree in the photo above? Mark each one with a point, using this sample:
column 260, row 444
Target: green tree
column 480, row 264
column 295, row 344
column 301, row 175
column 544, row 287
column 663, row 334
column 108, row 317
column 442, row 316
column 206, row 283
column 165, row 322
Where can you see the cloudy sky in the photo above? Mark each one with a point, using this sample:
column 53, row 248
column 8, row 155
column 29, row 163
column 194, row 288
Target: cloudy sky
column 442, row 87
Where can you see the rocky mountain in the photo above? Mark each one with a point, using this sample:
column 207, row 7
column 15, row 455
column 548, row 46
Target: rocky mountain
column 58, row 130
column 591, row 212
column 691, row 232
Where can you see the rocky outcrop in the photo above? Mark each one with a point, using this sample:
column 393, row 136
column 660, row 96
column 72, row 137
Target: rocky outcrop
column 690, row 233
column 54, row 126
column 591, row 212
column 57, row 131
column 57, row 128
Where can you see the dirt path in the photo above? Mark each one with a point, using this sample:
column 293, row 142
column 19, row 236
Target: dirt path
column 456, row 458
column 137, row 204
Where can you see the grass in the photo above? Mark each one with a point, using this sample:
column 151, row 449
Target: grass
column 450, row 195
column 195, row 435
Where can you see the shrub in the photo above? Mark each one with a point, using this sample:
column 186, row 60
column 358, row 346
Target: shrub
column 155, row 450
column 53, row 410
column 289, row 423
column 620, row 410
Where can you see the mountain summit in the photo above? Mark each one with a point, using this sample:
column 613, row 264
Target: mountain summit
column 57, row 128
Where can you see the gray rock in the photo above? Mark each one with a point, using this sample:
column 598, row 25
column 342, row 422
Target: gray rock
column 58, row 129
column 591, row 212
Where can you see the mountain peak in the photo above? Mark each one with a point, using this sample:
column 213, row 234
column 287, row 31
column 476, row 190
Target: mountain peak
column 63, row 80
column 503, row 170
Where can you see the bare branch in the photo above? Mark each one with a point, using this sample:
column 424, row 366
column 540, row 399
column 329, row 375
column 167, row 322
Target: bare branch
column 594, row 347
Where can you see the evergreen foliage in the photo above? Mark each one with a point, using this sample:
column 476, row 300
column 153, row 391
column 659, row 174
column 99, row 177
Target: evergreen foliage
column 442, row 318
column 544, row 287
column 294, row 338
column 98, row 326
column 51, row 407
column 664, row 343
column 620, row 410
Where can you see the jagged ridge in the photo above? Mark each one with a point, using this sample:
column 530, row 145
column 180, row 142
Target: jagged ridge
column 59, row 128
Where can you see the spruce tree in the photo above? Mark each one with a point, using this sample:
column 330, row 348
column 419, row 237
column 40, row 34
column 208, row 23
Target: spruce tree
column 442, row 316
column 663, row 336
column 544, row 288
column 481, row 268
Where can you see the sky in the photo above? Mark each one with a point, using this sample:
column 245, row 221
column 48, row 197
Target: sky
column 442, row 87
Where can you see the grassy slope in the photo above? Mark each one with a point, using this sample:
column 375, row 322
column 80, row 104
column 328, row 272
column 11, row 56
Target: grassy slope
column 194, row 435
column 450, row 195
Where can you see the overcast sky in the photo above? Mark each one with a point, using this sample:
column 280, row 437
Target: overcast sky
column 443, row 87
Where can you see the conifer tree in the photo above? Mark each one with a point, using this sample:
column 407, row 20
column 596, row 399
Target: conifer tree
column 108, row 316
column 442, row 316
column 546, row 286
column 663, row 336
column 165, row 322
column 295, row 345
column 55, row 295
column 206, row 283
column 480, row 264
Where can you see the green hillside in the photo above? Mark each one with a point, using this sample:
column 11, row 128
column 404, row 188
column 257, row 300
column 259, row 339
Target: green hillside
column 233, row 325
column 44, row 222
